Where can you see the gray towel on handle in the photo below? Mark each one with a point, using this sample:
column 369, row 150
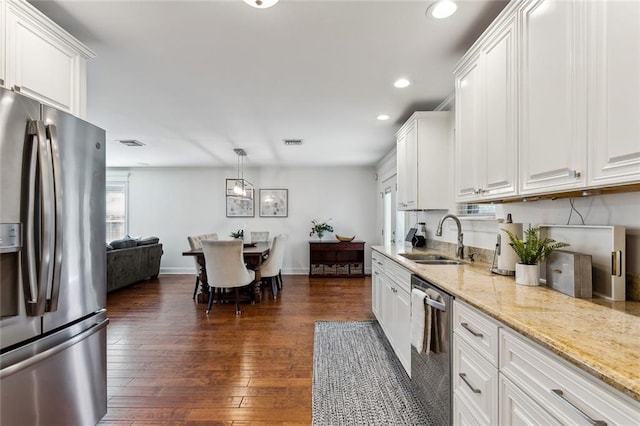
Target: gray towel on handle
column 432, row 325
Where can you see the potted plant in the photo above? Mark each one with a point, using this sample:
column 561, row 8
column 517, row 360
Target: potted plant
column 319, row 228
column 239, row 234
column 531, row 252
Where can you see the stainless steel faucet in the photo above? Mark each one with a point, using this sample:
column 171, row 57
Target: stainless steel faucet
column 460, row 246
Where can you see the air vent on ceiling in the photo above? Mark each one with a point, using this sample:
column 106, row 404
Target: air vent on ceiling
column 131, row 142
column 292, row 141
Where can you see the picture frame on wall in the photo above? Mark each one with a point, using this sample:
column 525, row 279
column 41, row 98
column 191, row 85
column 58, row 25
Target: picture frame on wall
column 237, row 207
column 274, row 203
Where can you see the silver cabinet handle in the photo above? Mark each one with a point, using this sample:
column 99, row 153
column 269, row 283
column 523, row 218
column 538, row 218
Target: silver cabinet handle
column 560, row 395
column 466, row 381
column 466, row 327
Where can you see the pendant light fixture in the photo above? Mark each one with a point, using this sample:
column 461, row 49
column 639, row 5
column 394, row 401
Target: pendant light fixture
column 261, row 4
column 239, row 187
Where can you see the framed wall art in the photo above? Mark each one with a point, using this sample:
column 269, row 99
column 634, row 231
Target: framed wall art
column 240, row 207
column 274, row 202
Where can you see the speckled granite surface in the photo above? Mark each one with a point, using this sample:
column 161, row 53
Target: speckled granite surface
column 600, row 337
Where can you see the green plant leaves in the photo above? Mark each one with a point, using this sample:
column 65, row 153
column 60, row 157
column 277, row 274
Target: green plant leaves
column 532, row 250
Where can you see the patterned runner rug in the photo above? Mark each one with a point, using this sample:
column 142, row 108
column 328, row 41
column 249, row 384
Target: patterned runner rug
column 357, row 379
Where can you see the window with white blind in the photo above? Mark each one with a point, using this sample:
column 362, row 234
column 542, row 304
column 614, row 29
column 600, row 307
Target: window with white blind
column 479, row 210
column 116, row 220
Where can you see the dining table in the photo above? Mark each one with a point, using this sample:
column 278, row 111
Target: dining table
column 253, row 254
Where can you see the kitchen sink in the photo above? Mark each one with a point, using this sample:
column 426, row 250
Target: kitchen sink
column 431, row 259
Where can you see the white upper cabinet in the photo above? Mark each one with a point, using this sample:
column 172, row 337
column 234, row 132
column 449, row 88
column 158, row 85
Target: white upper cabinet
column 424, row 150
column 407, row 173
column 43, row 61
column 3, row 25
column 486, row 121
column 553, row 154
column 468, row 137
column 614, row 82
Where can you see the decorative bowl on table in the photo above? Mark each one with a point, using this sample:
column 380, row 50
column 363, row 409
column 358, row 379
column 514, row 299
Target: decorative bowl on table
column 344, row 239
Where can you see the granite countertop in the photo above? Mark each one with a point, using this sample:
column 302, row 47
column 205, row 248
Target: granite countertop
column 600, row 337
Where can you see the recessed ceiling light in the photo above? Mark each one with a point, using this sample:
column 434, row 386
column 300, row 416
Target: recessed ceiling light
column 130, row 142
column 383, row 117
column 261, row 4
column 401, row 83
column 442, row 9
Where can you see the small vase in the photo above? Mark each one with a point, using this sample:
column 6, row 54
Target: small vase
column 527, row 274
column 320, row 235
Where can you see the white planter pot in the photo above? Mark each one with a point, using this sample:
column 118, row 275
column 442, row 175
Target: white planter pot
column 527, row 274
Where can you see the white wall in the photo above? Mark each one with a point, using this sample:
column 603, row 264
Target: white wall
column 172, row 203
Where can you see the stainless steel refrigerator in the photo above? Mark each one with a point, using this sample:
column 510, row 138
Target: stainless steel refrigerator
column 52, row 266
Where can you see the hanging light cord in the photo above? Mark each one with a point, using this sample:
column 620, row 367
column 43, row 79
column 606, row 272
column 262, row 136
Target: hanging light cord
column 573, row 208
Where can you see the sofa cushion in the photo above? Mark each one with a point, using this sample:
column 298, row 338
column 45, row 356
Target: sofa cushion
column 148, row 241
column 123, row 243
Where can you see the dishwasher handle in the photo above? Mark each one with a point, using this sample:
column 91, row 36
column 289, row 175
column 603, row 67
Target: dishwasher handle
column 435, row 304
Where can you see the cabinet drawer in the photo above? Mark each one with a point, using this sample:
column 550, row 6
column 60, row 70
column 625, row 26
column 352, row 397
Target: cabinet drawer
column 568, row 394
column 477, row 329
column 377, row 259
column 517, row 408
column 475, row 382
column 397, row 273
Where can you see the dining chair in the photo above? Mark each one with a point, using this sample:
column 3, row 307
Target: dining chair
column 225, row 268
column 195, row 242
column 271, row 268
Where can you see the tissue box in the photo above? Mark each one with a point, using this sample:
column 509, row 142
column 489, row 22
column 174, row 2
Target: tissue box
column 569, row 273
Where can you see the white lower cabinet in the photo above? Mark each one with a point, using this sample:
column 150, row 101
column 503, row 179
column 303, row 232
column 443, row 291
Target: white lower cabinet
column 517, row 408
column 474, row 373
column 391, row 304
column 377, row 285
column 500, row 377
column 569, row 395
column 475, row 382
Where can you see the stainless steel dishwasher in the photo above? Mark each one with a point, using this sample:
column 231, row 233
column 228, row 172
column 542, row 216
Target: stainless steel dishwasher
column 431, row 372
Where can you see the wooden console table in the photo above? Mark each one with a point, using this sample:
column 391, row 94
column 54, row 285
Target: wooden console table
column 336, row 259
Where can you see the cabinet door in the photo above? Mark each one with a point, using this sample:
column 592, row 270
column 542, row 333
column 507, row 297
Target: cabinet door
column 475, row 382
column 499, row 65
column 386, row 308
column 614, row 132
column 3, row 26
column 407, row 152
column 402, row 332
column 517, row 408
column 377, row 288
column 42, row 61
column 469, row 137
column 553, row 108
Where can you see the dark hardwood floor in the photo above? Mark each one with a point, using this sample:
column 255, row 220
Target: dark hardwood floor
column 171, row 363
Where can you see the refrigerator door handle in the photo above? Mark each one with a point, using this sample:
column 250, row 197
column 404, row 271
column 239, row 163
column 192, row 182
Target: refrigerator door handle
column 39, row 221
column 52, row 134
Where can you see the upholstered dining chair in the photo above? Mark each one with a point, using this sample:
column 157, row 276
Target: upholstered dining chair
column 195, row 242
column 226, row 268
column 270, row 269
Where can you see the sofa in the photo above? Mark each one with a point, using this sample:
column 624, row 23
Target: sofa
column 132, row 260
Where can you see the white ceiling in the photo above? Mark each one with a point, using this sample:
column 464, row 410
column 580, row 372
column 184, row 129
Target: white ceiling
column 195, row 79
